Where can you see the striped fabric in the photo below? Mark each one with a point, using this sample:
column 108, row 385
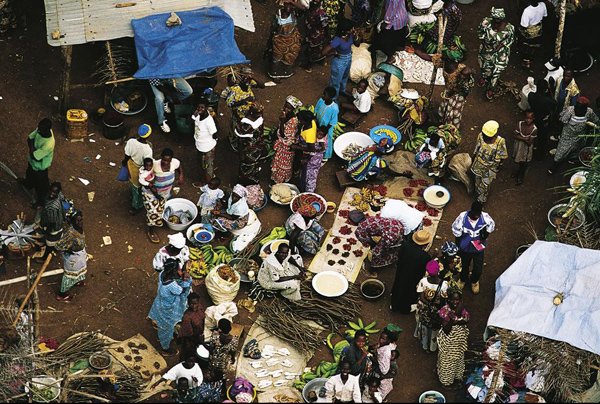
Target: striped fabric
column 396, row 15
column 451, row 354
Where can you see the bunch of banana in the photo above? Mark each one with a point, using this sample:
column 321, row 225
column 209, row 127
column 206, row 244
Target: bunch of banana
column 216, row 256
column 417, row 140
column 303, row 379
column 449, row 134
column 326, row 369
column 338, row 130
column 360, row 325
column 196, row 266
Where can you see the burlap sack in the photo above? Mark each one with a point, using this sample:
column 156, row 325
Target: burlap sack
column 459, row 166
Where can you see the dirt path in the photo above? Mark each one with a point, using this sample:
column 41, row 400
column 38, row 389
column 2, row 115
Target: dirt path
column 122, row 284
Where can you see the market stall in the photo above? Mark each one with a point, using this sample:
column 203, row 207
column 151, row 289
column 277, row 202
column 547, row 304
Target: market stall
column 542, row 333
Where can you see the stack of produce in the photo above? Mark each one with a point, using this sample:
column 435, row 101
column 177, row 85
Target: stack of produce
column 196, row 265
column 215, row 256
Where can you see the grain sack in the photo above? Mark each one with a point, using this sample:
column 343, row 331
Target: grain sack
column 459, row 166
column 361, row 62
column 219, row 289
column 215, row 313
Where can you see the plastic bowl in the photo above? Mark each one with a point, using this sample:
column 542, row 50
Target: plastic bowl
column 559, row 210
column 433, row 199
column 42, row 382
column 180, row 204
column 329, row 278
column 99, row 356
column 292, row 187
column 578, row 179
column 314, row 385
column 190, row 233
column 358, row 138
column 439, row 396
column 585, row 156
column 375, row 283
column 320, row 212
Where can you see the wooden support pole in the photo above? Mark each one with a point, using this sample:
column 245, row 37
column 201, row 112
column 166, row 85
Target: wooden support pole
column 23, row 278
column 35, row 283
column 562, row 12
column 67, row 52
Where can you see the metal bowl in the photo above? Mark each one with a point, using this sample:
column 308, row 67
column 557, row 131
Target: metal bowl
column 313, row 385
column 583, row 156
column 372, row 282
column 95, row 357
column 358, row 138
column 560, row 209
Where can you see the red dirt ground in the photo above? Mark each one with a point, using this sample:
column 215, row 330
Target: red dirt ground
column 121, row 285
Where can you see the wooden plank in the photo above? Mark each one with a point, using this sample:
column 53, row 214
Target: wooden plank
column 24, row 278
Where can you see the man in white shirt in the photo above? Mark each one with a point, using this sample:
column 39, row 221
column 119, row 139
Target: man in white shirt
column 187, row 369
column 205, row 136
column 362, row 99
column 531, row 29
column 343, row 387
column 471, row 229
column 136, row 150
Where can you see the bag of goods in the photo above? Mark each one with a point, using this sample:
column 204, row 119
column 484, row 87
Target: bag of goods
column 222, row 284
column 459, row 166
column 361, row 62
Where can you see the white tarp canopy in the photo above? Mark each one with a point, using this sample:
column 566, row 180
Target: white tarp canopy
column 526, row 290
column 81, row 21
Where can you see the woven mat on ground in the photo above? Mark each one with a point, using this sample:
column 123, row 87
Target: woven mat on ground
column 298, row 360
column 331, row 256
column 281, row 395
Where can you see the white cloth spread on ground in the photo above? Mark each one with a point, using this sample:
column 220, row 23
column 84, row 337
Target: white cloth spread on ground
column 245, row 235
column 415, row 69
column 213, row 314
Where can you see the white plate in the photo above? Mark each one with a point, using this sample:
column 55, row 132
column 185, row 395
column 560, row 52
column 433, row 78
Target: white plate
column 359, row 138
column 336, row 282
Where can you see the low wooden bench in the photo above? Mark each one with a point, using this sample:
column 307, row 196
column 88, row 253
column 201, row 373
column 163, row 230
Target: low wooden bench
column 344, row 179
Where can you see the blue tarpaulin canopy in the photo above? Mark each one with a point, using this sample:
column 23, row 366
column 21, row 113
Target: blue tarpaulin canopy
column 202, row 42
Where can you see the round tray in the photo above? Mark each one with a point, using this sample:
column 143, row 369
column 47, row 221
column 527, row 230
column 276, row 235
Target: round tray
column 320, row 213
column 358, row 138
column 328, row 277
column 294, row 189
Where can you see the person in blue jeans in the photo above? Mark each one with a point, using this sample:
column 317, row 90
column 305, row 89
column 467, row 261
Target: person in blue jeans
column 341, row 49
column 471, row 229
column 165, row 90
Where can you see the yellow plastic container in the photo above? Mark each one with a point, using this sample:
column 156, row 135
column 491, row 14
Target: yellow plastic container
column 77, row 123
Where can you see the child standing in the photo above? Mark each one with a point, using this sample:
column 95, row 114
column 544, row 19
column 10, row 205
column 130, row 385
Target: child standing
column 315, row 161
column 525, row 134
column 210, row 195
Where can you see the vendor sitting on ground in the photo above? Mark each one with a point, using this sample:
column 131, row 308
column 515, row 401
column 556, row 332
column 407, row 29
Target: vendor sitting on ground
column 369, row 163
column 362, row 99
column 237, row 213
column 432, row 155
column 282, row 271
column 304, row 230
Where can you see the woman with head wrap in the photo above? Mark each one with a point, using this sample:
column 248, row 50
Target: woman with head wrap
column 369, row 162
column 452, row 339
column 284, row 42
column 52, row 217
column 72, row 246
column 236, row 215
column 304, row 230
column 383, row 236
column 316, row 22
column 136, row 150
column 497, row 36
column 174, row 286
column 251, row 145
column 287, row 135
column 432, row 294
column 167, row 172
column 576, row 120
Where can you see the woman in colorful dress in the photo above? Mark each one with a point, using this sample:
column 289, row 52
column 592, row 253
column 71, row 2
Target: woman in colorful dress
column 487, row 159
column 450, row 264
column 240, row 98
column 72, row 246
column 575, row 120
column 174, row 286
column 316, row 34
column 333, row 10
column 326, row 112
column 452, row 339
column 287, row 132
column 307, row 142
column 369, row 162
column 383, row 236
column 236, row 215
column 251, row 146
column 459, row 81
column 153, row 202
column 303, row 229
column 167, row 171
column 52, row 217
column 284, row 43
column 453, row 17
column 383, row 360
column 497, row 36
column 432, row 293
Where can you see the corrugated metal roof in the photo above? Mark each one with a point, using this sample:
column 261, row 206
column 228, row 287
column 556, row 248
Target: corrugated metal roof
column 81, row 21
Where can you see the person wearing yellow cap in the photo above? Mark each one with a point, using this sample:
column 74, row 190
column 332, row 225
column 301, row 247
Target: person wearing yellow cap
column 487, row 159
column 136, row 150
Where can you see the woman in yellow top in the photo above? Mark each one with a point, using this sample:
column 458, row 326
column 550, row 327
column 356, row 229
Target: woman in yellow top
column 487, row 159
column 312, row 149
